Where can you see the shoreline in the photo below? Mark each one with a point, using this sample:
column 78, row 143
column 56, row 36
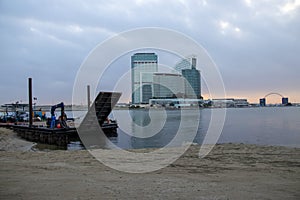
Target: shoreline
column 229, row 171
column 9, row 141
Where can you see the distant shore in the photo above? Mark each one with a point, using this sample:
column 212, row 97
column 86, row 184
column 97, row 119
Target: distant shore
column 229, row 171
column 47, row 108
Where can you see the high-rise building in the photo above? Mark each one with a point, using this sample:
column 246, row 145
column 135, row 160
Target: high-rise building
column 186, row 63
column 167, row 85
column 193, row 80
column 143, row 65
column 192, row 83
column 187, row 67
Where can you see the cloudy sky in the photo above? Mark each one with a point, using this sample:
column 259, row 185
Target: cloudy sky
column 255, row 44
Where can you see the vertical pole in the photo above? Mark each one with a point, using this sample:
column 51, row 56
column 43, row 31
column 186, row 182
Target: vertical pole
column 88, row 96
column 30, row 100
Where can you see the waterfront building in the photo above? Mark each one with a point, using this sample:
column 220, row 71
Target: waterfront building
column 240, row 102
column 187, row 67
column 262, row 102
column 168, row 85
column 186, row 63
column 229, row 102
column 285, row 100
column 192, row 83
column 175, row 102
column 143, row 65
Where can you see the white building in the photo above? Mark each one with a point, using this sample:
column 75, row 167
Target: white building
column 143, row 65
column 229, row 102
column 176, row 103
column 167, row 85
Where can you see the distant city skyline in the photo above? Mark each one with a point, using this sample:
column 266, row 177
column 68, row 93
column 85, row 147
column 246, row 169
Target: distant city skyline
column 255, row 44
column 148, row 80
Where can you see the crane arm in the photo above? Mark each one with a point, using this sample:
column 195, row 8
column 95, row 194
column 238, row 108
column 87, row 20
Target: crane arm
column 62, row 118
column 60, row 105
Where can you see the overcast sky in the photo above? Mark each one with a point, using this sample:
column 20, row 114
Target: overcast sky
column 255, row 44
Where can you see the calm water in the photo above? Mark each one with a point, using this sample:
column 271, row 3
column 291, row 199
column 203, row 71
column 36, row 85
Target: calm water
column 263, row 126
column 157, row 128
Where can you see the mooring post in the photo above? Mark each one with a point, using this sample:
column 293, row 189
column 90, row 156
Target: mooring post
column 88, row 96
column 30, row 100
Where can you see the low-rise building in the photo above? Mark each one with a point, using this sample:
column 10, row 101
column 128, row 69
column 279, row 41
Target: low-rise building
column 229, row 102
column 175, row 103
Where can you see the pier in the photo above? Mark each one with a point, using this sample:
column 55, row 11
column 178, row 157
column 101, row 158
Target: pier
column 59, row 137
column 97, row 116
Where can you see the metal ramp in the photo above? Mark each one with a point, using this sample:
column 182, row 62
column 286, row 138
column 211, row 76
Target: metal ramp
column 92, row 129
column 104, row 103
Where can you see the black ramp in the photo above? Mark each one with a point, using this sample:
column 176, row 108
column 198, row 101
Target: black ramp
column 90, row 131
column 104, row 103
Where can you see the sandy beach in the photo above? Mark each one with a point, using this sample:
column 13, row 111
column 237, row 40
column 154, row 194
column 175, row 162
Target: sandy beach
column 230, row 171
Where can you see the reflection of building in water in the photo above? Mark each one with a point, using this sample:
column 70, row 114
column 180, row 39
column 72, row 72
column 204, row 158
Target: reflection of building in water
column 143, row 65
column 167, row 85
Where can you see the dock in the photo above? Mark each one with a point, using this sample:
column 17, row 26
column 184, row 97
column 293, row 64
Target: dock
column 100, row 110
column 59, row 137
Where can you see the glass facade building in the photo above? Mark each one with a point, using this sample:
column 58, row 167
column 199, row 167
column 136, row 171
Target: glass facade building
column 186, row 63
column 143, row 65
column 285, row 100
column 167, row 85
column 192, row 83
column 187, row 67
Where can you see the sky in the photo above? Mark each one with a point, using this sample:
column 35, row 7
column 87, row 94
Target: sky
column 255, row 44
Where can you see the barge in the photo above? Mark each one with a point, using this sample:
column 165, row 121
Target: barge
column 94, row 127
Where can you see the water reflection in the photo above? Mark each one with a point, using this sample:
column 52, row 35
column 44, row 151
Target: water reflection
column 263, row 126
column 162, row 127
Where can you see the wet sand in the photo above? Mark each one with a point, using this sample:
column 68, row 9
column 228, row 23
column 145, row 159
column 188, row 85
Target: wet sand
column 230, row 171
column 9, row 141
